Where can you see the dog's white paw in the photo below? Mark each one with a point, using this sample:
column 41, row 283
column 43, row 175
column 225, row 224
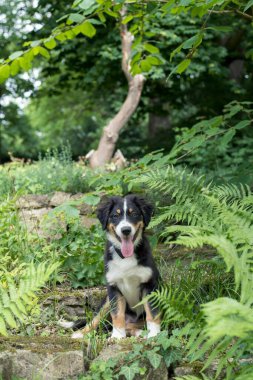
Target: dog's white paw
column 153, row 329
column 65, row 324
column 77, row 335
column 118, row 333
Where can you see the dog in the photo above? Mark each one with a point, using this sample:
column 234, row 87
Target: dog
column 130, row 270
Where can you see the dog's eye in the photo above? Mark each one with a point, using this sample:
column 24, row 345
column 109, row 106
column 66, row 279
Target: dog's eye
column 115, row 216
column 135, row 214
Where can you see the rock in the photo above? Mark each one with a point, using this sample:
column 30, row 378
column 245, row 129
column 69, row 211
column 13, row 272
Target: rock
column 47, row 359
column 75, row 303
column 33, row 219
column 33, row 201
column 183, row 371
column 114, row 350
column 88, row 222
column 59, row 198
column 84, row 208
column 31, row 365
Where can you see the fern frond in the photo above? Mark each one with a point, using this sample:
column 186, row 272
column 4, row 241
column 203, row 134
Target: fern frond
column 14, row 298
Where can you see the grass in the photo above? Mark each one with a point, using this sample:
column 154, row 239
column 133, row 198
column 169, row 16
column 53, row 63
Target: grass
column 54, row 172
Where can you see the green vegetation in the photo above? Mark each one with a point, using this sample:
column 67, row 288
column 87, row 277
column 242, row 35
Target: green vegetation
column 189, row 149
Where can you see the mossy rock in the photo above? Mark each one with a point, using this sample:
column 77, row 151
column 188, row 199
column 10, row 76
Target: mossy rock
column 40, row 358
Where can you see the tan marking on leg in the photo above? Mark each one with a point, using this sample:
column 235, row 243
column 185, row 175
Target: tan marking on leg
column 149, row 316
column 118, row 316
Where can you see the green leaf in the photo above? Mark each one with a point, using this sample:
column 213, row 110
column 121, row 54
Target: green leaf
column 68, row 210
column 76, row 17
column 44, row 52
column 183, row 66
column 135, row 69
column 14, row 68
column 4, row 72
column 24, row 63
column 151, row 48
column 154, row 61
column 127, row 19
column 35, row 43
column 227, row 137
column 91, row 199
column 220, row 28
column 192, row 42
column 50, row 43
column 248, row 5
column 3, row 330
column 86, row 4
column 9, row 318
column 242, row 124
column 101, row 17
column 60, row 37
column 87, row 29
column 154, row 358
column 16, row 55
column 194, row 143
column 129, row 372
column 145, row 65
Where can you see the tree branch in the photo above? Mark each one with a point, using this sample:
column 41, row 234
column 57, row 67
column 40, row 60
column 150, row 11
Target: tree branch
column 232, row 11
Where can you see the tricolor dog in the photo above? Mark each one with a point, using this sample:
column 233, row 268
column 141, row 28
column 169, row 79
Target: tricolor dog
column 130, row 271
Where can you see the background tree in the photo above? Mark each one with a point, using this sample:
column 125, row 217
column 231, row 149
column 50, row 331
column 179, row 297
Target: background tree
column 219, row 65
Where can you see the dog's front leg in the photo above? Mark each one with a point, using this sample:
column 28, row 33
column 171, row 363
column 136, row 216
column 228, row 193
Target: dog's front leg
column 118, row 311
column 152, row 316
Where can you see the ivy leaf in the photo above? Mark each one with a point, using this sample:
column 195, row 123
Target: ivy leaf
column 129, row 372
column 87, row 29
column 50, row 43
column 154, row 358
column 151, row 48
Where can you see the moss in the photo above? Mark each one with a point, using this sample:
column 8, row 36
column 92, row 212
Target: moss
column 41, row 344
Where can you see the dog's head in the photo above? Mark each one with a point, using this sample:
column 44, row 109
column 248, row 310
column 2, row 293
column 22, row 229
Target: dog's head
column 124, row 219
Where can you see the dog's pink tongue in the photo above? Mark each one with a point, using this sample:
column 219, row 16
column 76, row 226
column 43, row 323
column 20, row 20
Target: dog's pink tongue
column 127, row 247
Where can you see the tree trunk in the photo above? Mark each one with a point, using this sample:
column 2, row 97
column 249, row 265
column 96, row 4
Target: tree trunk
column 110, row 135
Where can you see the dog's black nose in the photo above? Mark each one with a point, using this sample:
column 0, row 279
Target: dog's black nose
column 126, row 230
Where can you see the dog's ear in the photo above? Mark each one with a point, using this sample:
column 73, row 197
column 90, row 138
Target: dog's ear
column 103, row 211
column 146, row 209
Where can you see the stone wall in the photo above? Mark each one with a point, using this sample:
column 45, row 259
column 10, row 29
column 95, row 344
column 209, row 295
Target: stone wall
column 35, row 209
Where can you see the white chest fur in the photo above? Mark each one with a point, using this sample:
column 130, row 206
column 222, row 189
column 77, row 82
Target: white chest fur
column 128, row 275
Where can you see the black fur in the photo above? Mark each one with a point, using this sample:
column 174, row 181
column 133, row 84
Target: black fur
column 110, row 211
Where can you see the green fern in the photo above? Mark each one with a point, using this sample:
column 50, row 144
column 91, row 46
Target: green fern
column 15, row 298
column 221, row 217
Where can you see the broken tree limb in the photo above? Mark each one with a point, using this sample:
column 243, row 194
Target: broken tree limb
column 110, row 134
